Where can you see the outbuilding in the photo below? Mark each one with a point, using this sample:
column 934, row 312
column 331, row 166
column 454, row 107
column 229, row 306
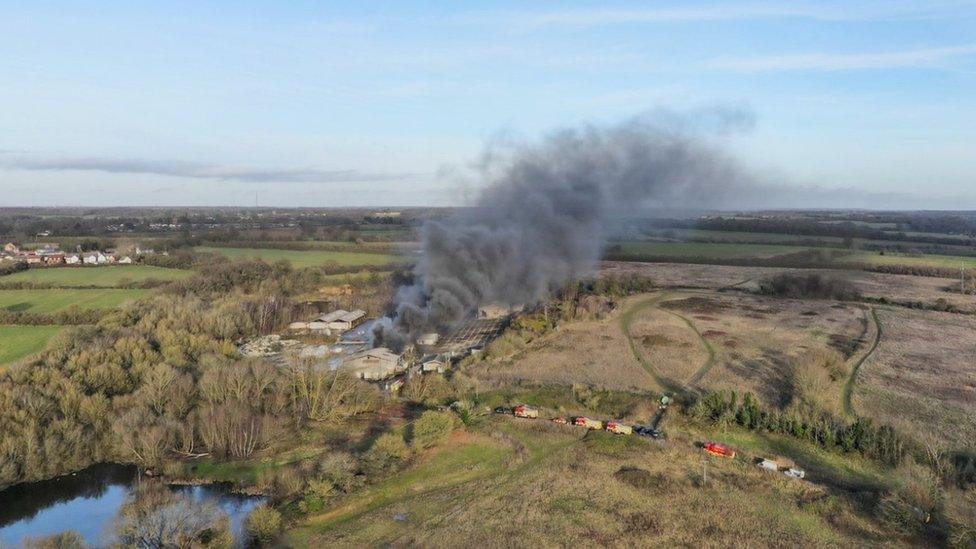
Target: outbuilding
column 433, row 364
column 375, row 364
column 342, row 320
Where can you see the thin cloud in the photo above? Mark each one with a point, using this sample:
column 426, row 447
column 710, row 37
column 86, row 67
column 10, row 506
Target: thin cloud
column 595, row 17
column 926, row 57
column 194, row 170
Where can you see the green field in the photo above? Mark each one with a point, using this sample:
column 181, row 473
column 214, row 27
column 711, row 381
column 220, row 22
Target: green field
column 913, row 260
column 740, row 236
column 707, row 250
column 54, row 300
column 16, row 342
column 301, row 259
column 106, row 276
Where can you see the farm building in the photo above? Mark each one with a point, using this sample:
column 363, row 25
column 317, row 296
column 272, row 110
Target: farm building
column 433, row 363
column 497, row 310
column 342, row 320
column 314, row 326
column 375, row 364
column 428, row 339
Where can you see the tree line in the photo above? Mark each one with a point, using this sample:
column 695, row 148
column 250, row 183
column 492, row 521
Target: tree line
column 162, row 379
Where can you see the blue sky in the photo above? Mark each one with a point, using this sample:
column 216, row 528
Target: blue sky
column 367, row 103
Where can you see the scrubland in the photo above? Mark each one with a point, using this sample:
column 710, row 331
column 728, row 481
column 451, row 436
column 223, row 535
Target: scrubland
column 550, row 486
column 922, row 377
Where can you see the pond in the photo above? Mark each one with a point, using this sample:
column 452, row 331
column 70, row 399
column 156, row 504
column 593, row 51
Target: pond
column 88, row 501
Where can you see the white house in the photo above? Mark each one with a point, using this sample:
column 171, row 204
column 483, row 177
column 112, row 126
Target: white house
column 125, row 260
column 72, row 259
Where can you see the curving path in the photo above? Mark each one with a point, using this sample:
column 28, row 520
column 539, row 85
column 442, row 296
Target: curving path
column 852, row 378
column 627, row 318
column 709, row 362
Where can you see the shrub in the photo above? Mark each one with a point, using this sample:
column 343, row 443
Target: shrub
column 386, row 453
column 916, row 501
column 642, row 479
column 263, row 524
column 432, row 428
column 281, row 483
column 339, row 470
column 814, row 285
column 64, row 540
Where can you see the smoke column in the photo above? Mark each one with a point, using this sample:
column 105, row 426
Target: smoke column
column 543, row 216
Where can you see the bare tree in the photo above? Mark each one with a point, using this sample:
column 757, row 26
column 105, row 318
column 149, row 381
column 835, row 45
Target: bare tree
column 154, row 518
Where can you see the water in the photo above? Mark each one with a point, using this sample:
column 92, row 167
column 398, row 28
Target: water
column 88, row 501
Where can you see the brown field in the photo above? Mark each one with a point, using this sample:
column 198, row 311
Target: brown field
column 926, row 290
column 922, row 377
column 755, row 343
column 593, row 352
column 757, row 340
column 673, row 350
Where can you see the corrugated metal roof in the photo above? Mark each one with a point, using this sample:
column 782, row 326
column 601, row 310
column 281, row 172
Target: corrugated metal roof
column 353, row 316
column 333, row 316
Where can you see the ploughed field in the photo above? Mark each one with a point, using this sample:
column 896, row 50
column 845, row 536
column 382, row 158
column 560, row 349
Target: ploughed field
column 105, row 276
column 55, row 300
column 17, row 342
column 303, row 258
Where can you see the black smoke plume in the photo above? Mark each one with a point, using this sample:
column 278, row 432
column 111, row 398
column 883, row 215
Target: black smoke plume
column 544, row 214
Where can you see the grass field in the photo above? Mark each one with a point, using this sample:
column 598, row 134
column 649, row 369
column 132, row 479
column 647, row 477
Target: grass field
column 555, row 487
column 301, row 259
column 922, row 377
column 914, row 260
column 17, row 342
column 52, row 301
column 96, row 276
column 708, row 250
column 740, row 236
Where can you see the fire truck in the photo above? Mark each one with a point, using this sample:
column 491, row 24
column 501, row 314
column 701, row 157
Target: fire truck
column 583, row 421
column 718, row 449
column 525, row 411
column 619, row 428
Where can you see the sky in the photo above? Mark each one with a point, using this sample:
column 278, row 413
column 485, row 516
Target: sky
column 859, row 104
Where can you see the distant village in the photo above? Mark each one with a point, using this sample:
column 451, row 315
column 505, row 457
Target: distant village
column 51, row 255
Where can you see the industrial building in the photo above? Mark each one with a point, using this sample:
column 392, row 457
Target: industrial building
column 342, row 320
column 335, row 322
column 375, row 364
column 494, row 311
column 433, row 364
